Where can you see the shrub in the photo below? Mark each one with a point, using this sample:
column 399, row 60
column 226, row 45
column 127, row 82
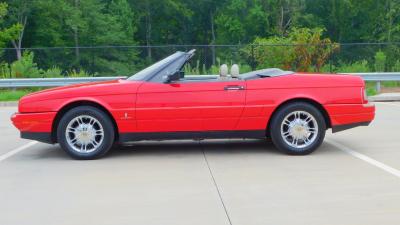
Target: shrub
column 193, row 70
column 355, row 67
column 25, row 67
column 53, row 72
column 396, row 66
column 80, row 73
column 327, row 68
column 5, row 71
column 272, row 52
column 214, row 69
column 304, row 50
column 380, row 61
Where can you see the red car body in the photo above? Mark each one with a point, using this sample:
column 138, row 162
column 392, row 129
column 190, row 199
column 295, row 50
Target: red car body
column 159, row 102
column 145, row 107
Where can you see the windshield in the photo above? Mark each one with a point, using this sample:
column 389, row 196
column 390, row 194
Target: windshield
column 153, row 69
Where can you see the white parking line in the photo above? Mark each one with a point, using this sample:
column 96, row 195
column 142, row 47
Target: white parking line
column 365, row 158
column 15, row 151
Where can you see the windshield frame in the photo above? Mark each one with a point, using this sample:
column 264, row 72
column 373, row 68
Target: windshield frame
column 150, row 72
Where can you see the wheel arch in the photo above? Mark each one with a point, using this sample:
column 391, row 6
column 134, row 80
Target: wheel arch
column 313, row 102
column 70, row 105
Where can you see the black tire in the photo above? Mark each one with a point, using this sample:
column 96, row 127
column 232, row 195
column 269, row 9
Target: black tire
column 102, row 118
column 277, row 120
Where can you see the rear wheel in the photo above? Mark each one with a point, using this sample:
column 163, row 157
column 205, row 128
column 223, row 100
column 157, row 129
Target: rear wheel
column 85, row 132
column 298, row 128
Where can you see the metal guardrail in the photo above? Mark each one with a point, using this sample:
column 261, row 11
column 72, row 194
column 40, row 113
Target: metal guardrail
column 378, row 77
column 55, row 82
column 50, row 82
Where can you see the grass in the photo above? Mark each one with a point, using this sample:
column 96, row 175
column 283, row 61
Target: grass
column 371, row 91
column 13, row 95
column 391, row 83
column 370, row 86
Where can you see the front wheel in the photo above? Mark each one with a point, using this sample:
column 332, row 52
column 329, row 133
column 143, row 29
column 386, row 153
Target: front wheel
column 298, row 128
column 85, row 132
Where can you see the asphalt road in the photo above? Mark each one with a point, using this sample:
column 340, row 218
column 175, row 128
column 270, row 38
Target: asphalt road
column 354, row 178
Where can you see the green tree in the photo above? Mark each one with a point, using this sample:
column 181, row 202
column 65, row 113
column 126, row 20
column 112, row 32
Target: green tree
column 88, row 23
column 9, row 33
column 162, row 22
column 241, row 21
column 19, row 13
column 91, row 23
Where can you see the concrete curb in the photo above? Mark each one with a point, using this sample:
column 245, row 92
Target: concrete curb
column 9, row 104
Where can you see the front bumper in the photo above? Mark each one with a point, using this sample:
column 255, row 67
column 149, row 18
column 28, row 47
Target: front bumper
column 38, row 136
column 33, row 122
column 35, row 126
column 346, row 116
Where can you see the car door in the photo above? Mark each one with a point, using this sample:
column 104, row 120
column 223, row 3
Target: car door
column 189, row 105
column 222, row 104
column 164, row 107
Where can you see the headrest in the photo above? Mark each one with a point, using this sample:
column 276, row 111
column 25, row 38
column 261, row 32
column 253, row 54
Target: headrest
column 223, row 70
column 235, row 71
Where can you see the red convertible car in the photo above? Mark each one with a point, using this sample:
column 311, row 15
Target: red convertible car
column 160, row 102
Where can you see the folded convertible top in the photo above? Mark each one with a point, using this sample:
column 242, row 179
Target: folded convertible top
column 272, row 72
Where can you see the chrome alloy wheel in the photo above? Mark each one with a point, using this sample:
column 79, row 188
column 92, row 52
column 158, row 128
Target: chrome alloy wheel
column 84, row 134
column 299, row 129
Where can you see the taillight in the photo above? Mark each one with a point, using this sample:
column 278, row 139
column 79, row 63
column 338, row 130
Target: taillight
column 365, row 96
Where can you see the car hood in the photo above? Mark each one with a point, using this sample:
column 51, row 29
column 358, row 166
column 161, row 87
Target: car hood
column 114, row 87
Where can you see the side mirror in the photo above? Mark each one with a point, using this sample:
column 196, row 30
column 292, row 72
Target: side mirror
column 173, row 76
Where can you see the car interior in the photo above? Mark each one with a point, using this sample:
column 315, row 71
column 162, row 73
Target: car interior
column 234, row 74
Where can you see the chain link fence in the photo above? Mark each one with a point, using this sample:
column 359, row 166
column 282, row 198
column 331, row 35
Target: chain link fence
column 126, row 60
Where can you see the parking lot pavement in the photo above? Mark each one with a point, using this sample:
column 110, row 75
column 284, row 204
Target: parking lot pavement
column 9, row 137
column 208, row 182
column 380, row 140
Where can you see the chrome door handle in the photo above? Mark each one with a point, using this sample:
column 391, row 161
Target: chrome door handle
column 233, row 88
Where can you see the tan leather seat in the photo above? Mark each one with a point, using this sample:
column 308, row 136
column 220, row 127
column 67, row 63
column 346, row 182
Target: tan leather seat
column 223, row 71
column 235, row 71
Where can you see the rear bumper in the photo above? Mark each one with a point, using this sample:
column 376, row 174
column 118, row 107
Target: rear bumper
column 348, row 126
column 346, row 116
